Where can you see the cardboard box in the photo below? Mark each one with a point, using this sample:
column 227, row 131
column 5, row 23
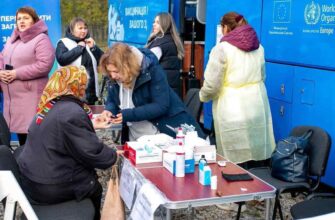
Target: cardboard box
column 140, row 152
column 169, row 162
column 209, row 152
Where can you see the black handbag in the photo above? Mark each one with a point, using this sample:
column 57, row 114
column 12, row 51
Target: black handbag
column 289, row 161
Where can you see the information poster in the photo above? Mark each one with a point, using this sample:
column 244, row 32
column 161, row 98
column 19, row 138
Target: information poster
column 299, row 32
column 147, row 201
column 130, row 21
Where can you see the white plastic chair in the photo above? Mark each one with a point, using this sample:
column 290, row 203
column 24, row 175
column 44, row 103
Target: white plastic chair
column 11, row 190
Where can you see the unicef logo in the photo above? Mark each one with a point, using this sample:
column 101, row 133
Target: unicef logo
column 312, row 13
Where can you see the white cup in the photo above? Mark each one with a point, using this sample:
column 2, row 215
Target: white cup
column 214, row 182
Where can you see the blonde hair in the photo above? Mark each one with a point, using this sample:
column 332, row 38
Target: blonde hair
column 122, row 57
column 167, row 24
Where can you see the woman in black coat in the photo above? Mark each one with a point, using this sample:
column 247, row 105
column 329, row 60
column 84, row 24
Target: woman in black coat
column 165, row 43
column 62, row 151
column 78, row 48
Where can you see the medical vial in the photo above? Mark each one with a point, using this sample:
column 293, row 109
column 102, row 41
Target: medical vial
column 180, row 163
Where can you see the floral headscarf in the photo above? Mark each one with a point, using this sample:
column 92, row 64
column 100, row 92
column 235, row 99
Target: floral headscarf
column 69, row 80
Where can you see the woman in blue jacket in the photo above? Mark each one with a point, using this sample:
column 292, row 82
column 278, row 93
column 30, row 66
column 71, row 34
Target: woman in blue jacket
column 139, row 95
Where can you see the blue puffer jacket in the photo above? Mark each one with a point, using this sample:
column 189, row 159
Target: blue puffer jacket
column 153, row 98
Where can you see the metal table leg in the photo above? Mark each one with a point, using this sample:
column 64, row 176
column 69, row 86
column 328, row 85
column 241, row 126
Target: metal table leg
column 267, row 208
column 168, row 214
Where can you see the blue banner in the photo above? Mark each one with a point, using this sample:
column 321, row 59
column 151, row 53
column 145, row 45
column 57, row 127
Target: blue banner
column 300, row 32
column 130, row 21
column 49, row 11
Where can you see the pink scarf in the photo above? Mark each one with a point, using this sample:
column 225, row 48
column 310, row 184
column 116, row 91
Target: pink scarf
column 243, row 37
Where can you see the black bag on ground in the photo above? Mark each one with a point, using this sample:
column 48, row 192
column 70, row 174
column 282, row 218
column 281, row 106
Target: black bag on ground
column 289, row 161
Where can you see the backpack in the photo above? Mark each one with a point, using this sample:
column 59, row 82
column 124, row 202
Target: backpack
column 289, row 161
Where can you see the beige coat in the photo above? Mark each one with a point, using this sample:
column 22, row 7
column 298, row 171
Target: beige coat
column 234, row 80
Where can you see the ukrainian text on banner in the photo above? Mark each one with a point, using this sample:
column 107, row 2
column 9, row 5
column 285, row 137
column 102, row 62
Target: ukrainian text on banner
column 48, row 10
column 130, row 21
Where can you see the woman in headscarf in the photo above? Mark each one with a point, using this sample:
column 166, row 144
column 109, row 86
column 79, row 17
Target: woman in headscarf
column 234, row 80
column 58, row 162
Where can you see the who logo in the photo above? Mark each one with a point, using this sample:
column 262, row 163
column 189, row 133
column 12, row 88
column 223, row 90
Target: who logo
column 312, row 13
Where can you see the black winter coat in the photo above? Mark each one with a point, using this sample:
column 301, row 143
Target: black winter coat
column 65, row 57
column 65, row 150
column 169, row 60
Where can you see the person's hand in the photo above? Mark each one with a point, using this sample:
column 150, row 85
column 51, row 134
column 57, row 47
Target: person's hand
column 2, row 72
column 8, row 76
column 117, row 119
column 82, row 43
column 90, row 42
column 119, row 152
column 100, row 122
column 106, row 114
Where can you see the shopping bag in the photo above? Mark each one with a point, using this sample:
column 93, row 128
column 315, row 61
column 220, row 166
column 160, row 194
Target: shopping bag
column 113, row 208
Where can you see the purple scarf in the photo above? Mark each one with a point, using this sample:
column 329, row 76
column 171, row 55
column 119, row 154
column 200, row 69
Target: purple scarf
column 243, row 37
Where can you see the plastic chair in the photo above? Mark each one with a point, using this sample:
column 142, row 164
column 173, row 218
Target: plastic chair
column 318, row 151
column 193, row 104
column 318, row 206
column 10, row 188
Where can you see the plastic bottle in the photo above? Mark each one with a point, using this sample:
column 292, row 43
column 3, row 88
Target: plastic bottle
column 180, row 137
column 202, row 162
column 180, row 163
column 214, row 182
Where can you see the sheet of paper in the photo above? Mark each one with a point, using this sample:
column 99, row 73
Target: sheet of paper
column 127, row 186
column 147, row 201
column 219, row 34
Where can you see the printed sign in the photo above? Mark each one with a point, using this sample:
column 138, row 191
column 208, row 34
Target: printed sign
column 299, row 32
column 128, row 184
column 147, row 202
column 48, row 11
column 130, row 21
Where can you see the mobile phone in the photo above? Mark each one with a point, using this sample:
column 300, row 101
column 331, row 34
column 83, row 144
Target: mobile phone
column 9, row 67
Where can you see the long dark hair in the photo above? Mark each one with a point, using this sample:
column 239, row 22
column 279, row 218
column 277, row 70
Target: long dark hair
column 167, row 24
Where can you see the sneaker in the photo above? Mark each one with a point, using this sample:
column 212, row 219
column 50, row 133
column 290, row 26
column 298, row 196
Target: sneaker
column 231, row 207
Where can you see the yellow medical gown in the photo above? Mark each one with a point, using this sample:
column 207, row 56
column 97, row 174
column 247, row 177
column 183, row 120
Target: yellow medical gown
column 234, row 80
